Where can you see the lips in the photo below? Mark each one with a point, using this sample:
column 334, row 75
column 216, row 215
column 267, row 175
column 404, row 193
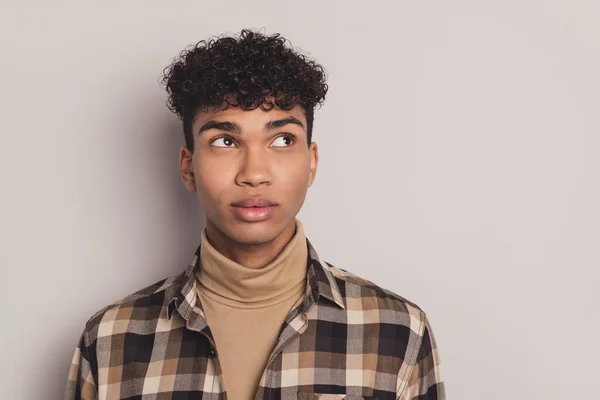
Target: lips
column 253, row 209
column 254, row 202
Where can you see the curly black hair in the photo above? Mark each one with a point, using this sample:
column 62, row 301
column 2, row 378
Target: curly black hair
column 248, row 71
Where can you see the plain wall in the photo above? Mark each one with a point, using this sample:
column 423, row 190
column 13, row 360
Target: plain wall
column 458, row 167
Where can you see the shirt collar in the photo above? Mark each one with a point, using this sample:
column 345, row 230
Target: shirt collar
column 319, row 282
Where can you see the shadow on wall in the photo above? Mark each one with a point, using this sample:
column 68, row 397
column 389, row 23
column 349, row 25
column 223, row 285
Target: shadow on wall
column 154, row 222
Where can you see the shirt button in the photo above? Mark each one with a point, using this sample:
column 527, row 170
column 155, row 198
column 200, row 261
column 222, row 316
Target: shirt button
column 212, row 352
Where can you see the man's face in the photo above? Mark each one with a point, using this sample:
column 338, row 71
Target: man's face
column 251, row 170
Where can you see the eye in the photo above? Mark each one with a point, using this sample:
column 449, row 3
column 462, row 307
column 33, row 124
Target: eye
column 284, row 140
column 223, row 141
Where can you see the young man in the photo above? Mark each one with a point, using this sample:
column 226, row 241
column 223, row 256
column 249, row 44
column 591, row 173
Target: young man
column 257, row 314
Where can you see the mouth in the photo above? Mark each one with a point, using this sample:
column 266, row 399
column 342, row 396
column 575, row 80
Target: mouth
column 252, row 202
column 253, row 213
column 253, row 209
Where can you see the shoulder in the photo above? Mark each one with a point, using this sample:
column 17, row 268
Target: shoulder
column 146, row 303
column 368, row 287
column 387, row 306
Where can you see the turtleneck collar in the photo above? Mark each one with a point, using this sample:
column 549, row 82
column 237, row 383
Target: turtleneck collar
column 231, row 283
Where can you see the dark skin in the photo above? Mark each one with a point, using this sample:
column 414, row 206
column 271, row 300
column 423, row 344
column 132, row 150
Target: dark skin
column 240, row 154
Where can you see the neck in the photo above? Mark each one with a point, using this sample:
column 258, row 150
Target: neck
column 254, row 256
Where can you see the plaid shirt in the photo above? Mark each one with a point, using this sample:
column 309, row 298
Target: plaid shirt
column 346, row 338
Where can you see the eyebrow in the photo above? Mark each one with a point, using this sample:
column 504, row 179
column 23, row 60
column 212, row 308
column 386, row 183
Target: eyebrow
column 282, row 122
column 226, row 126
column 232, row 127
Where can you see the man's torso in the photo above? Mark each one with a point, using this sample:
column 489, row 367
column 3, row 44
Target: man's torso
column 347, row 338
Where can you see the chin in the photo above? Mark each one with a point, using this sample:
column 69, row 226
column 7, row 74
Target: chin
column 253, row 233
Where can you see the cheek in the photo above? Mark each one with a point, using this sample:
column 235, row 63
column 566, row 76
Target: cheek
column 210, row 181
column 295, row 180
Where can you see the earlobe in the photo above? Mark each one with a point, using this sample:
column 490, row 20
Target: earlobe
column 191, row 177
column 312, row 175
column 314, row 162
column 190, row 182
column 187, row 173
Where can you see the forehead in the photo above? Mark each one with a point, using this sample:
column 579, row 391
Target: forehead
column 248, row 117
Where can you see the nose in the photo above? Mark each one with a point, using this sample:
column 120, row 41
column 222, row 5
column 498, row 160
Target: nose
column 255, row 168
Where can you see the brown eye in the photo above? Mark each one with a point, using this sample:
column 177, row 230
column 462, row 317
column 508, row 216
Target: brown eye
column 223, row 141
column 284, row 141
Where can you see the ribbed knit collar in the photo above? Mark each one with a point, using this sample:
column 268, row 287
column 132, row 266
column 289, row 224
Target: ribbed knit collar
column 228, row 282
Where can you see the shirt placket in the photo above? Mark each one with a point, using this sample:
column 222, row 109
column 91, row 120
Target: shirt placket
column 197, row 323
column 294, row 325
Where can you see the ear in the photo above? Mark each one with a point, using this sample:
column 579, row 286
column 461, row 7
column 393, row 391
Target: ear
column 314, row 162
column 186, row 167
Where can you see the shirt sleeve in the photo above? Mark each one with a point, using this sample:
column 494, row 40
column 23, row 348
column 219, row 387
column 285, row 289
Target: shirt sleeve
column 425, row 381
column 81, row 384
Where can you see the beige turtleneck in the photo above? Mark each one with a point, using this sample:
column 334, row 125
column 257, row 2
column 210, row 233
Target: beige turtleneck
column 245, row 308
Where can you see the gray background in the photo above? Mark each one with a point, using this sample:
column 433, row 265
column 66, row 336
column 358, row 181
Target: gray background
column 458, row 168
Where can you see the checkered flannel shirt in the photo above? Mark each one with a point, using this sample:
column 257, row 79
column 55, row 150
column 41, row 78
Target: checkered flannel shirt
column 346, row 338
